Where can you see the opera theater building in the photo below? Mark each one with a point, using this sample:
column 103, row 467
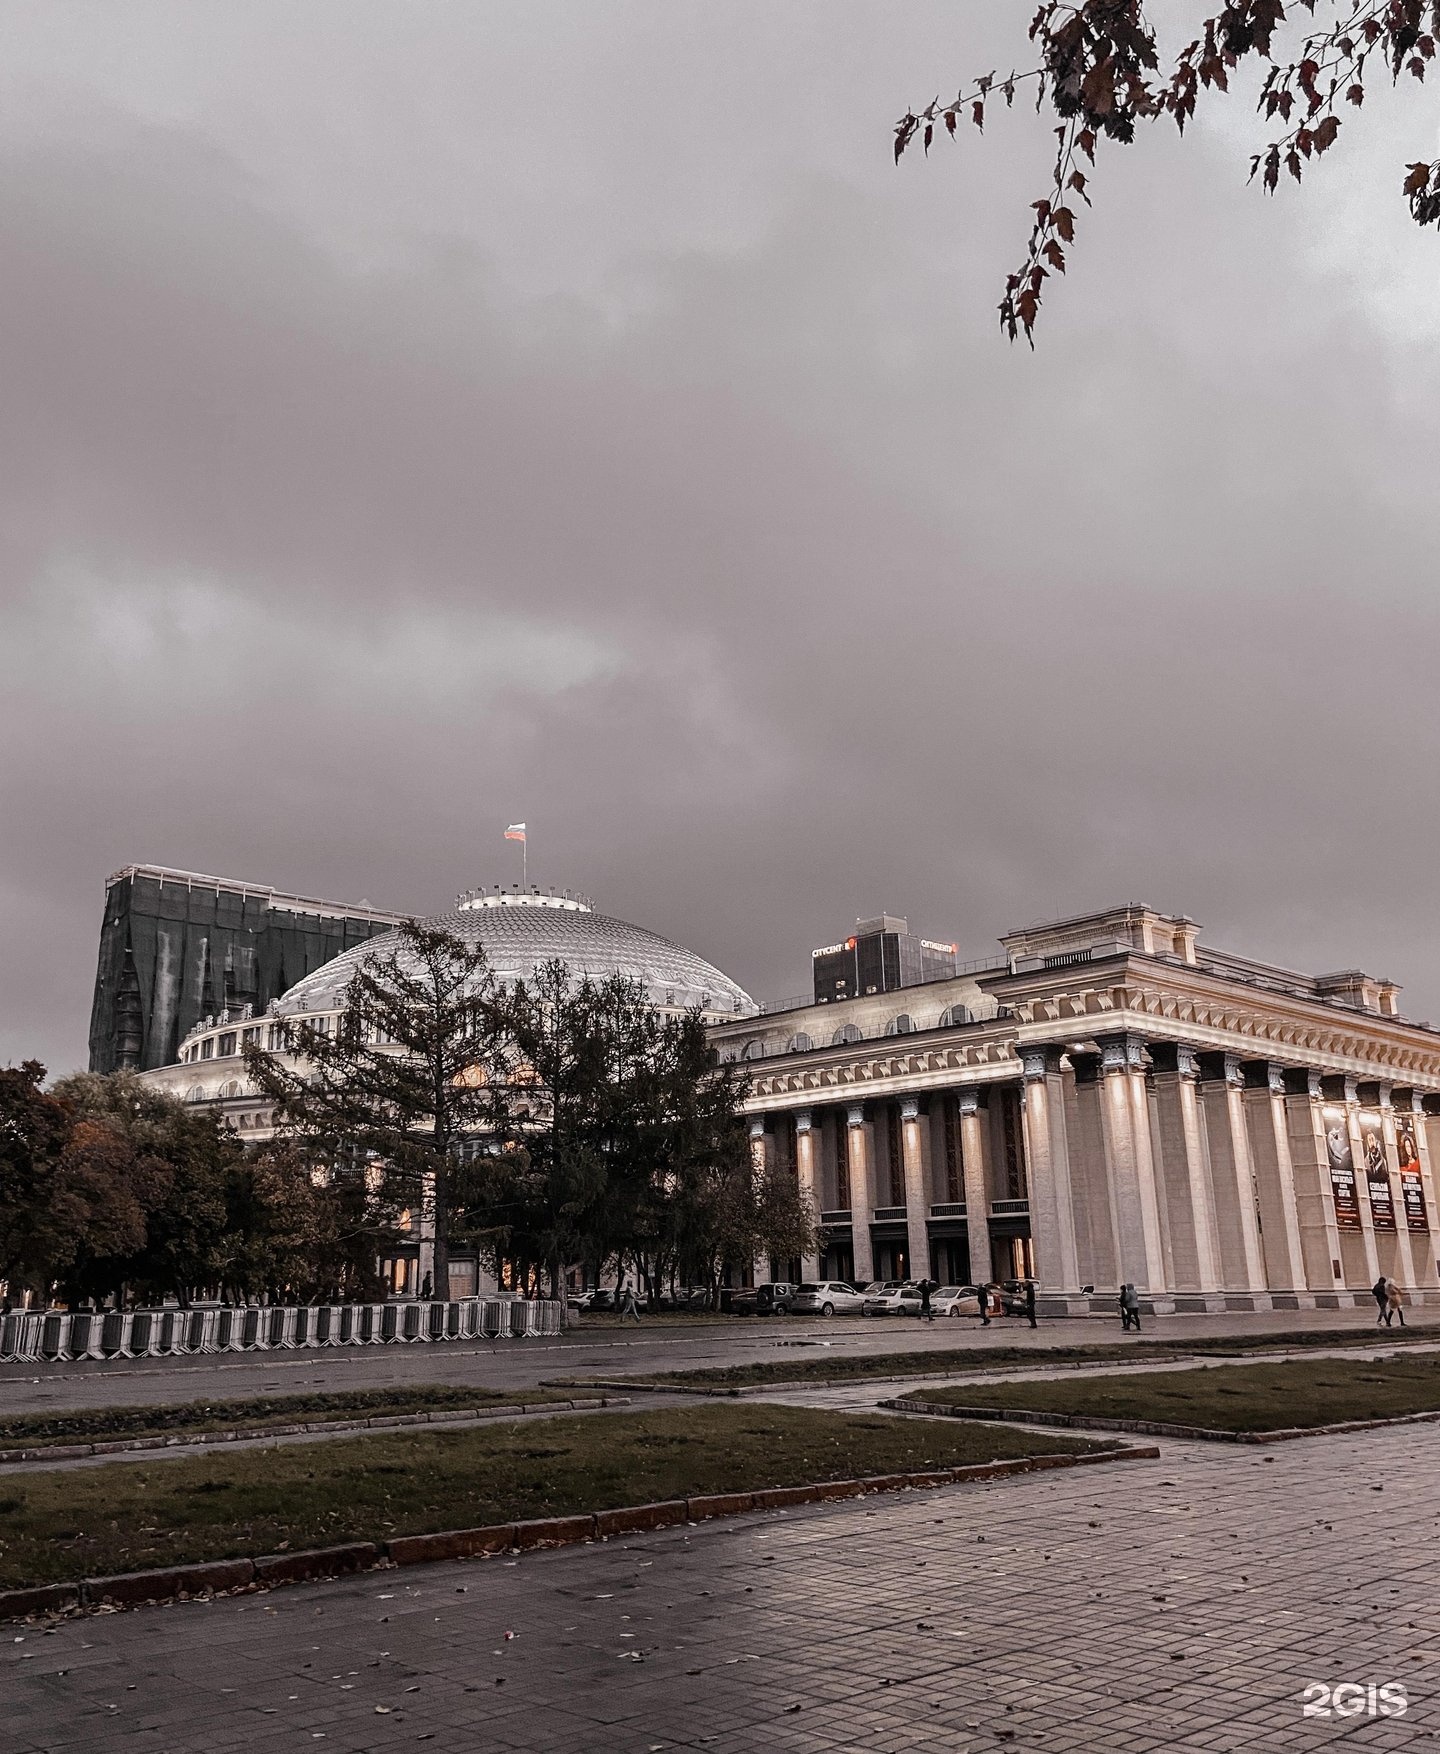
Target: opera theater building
column 1109, row 1100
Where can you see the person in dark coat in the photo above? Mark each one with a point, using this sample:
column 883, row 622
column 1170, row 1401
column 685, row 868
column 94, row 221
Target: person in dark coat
column 1030, row 1301
column 1380, row 1291
column 1129, row 1308
column 926, row 1287
column 983, row 1293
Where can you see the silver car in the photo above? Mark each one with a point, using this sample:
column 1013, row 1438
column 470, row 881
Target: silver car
column 893, row 1298
column 827, row 1297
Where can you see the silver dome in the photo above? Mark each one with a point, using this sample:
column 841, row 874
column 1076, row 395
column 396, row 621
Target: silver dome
column 521, row 932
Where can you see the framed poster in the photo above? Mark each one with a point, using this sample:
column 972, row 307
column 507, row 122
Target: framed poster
column 1377, row 1173
column 1412, row 1185
column 1342, row 1170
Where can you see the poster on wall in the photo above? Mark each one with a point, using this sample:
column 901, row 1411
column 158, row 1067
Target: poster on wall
column 1377, row 1172
column 1412, row 1186
column 1342, row 1170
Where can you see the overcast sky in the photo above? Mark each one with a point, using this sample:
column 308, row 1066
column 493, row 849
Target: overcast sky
column 414, row 418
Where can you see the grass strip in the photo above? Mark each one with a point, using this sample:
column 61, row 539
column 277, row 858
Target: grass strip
column 60, row 1526
column 1233, row 1397
column 92, row 1425
column 913, row 1363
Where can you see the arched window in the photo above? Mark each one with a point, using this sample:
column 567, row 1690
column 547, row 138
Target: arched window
column 754, row 1050
column 801, row 1043
column 904, row 1024
column 956, row 1015
column 846, row 1033
column 196, row 1093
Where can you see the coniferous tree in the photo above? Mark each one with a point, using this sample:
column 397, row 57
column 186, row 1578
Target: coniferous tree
column 417, row 1068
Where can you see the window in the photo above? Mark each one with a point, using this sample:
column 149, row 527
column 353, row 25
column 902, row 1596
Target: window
column 207, row 1048
column 846, row 1033
column 227, row 1045
column 196, row 1093
column 754, row 1050
column 954, row 1017
column 801, row 1043
column 249, row 1038
column 904, row 1024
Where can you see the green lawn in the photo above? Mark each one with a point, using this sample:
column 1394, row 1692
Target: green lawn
column 126, row 1516
column 832, row 1367
column 95, row 1425
column 1232, row 1397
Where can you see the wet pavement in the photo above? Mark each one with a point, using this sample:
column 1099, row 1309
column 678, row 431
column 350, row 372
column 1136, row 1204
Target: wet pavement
column 616, row 1353
column 1184, row 1603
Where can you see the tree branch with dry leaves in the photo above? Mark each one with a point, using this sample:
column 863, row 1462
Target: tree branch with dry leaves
column 1099, row 74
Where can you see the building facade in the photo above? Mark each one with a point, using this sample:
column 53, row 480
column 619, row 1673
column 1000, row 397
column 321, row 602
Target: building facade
column 1111, row 1101
column 176, row 947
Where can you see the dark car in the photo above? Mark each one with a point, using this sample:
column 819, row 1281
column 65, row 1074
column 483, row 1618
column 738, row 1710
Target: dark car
column 1012, row 1295
column 604, row 1298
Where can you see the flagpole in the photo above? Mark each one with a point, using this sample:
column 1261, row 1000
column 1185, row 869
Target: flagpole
column 525, row 859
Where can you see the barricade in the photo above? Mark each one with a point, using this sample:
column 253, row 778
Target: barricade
column 62, row 1336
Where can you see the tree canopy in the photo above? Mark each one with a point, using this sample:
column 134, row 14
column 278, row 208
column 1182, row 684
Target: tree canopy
column 1099, row 72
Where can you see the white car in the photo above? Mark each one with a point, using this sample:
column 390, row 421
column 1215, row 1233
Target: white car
column 955, row 1300
column 827, row 1297
column 892, row 1298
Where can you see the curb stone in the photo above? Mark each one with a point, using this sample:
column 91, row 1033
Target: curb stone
column 1148, row 1427
column 180, row 1582
column 69, row 1452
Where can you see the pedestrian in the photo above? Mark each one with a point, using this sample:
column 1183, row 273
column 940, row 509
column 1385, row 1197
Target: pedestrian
column 926, row 1287
column 628, row 1305
column 1380, row 1291
column 427, row 1289
column 1392, row 1299
column 1129, row 1308
column 1030, row 1301
column 982, row 1292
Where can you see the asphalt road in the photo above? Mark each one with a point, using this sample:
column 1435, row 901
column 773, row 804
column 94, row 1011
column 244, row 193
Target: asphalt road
column 610, row 1352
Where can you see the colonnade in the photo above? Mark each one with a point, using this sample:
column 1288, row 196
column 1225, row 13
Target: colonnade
column 1206, row 1178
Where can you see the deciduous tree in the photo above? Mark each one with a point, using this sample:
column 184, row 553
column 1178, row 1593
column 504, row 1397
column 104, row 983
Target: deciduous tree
column 1098, row 71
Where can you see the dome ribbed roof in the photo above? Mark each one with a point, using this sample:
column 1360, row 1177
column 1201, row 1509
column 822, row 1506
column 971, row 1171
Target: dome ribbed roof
column 520, row 933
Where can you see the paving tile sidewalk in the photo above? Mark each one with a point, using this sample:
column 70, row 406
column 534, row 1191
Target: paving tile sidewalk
column 1179, row 1604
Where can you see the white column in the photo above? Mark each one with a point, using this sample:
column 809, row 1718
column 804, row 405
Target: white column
column 1409, row 1277
column 1275, row 1184
column 1047, row 1171
column 1314, row 1201
column 760, row 1266
column 917, row 1208
column 1423, row 1245
column 1373, row 1264
column 1232, row 1180
column 977, row 1196
column 809, row 1181
column 862, row 1200
column 1189, row 1205
column 1125, row 1116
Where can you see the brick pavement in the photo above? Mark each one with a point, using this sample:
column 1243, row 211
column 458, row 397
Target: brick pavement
column 1180, row 1604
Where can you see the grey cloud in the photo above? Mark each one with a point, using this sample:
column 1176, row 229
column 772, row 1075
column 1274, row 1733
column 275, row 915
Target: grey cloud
column 750, row 568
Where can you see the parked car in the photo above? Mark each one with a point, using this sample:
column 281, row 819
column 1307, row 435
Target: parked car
column 827, row 1297
column 893, row 1298
column 1011, row 1293
column 955, row 1300
column 580, row 1299
column 774, row 1299
column 603, row 1298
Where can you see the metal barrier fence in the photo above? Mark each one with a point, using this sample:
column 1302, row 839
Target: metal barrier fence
column 66, row 1335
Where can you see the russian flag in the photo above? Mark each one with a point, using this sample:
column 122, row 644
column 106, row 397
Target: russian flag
column 516, row 831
